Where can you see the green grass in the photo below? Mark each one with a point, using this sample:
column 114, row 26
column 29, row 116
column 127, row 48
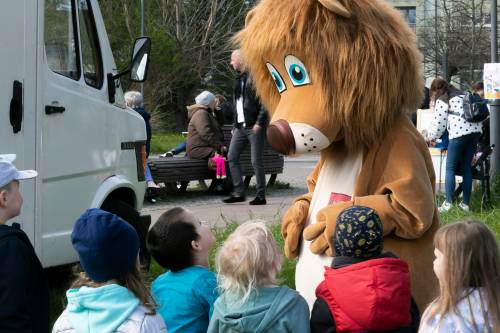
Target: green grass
column 162, row 142
column 489, row 213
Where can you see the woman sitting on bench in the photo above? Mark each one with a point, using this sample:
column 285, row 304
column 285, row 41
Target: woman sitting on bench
column 205, row 138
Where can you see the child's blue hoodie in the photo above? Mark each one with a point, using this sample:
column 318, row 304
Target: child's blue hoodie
column 274, row 309
column 101, row 309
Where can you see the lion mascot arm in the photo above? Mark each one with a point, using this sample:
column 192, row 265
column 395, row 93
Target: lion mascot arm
column 296, row 216
column 399, row 186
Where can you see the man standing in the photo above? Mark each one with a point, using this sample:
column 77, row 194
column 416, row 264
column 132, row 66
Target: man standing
column 250, row 121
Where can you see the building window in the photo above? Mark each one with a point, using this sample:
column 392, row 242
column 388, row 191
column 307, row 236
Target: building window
column 410, row 16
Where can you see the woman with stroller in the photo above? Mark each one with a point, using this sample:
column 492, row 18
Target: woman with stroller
column 448, row 111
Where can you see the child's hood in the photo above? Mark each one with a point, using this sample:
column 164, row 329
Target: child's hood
column 101, row 309
column 260, row 313
column 14, row 231
column 374, row 294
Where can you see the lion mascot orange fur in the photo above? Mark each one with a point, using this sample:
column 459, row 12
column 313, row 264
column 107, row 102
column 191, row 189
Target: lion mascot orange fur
column 340, row 77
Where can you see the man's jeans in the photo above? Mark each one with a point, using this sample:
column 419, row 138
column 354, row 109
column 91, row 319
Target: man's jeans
column 459, row 158
column 241, row 137
column 147, row 174
column 179, row 148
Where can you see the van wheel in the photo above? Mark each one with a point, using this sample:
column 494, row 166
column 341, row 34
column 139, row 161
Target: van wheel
column 129, row 214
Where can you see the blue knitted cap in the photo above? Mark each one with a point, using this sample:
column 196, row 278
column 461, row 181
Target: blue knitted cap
column 107, row 245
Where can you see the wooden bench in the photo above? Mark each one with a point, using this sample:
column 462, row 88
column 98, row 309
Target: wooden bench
column 177, row 172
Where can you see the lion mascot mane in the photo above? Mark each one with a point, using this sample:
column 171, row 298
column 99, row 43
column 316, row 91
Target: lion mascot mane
column 340, row 77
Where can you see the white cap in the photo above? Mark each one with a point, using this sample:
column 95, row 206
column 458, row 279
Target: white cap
column 205, row 98
column 8, row 172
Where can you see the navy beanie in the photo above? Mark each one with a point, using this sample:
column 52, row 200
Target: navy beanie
column 358, row 233
column 107, row 245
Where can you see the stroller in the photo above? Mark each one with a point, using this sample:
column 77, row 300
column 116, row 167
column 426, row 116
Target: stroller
column 481, row 172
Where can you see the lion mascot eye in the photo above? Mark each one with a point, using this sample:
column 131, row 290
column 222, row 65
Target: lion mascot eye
column 297, row 71
column 278, row 80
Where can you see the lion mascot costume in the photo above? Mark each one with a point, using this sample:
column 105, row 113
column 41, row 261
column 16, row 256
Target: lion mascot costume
column 341, row 77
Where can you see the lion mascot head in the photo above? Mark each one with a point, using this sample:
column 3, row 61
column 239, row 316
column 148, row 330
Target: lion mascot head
column 331, row 71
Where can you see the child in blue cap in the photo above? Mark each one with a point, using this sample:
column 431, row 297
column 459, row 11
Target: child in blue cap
column 24, row 295
column 109, row 296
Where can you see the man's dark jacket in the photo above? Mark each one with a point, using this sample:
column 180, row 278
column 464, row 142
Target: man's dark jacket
column 252, row 109
column 24, row 295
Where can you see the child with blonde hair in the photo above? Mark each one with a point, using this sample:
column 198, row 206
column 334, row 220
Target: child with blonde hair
column 251, row 300
column 467, row 265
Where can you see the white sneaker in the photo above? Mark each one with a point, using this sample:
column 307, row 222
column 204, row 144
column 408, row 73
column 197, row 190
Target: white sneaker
column 464, row 207
column 167, row 154
column 152, row 184
column 446, row 206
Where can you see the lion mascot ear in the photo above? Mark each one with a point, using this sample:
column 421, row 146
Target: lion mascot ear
column 335, row 7
column 249, row 17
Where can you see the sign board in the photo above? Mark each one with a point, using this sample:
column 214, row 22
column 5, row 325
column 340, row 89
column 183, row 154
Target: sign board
column 424, row 120
column 424, row 123
column 491, row 78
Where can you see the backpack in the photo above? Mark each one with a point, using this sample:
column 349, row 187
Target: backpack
column 475, row 108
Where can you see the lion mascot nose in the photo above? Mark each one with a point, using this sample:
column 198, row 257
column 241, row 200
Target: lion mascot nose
column 280, row 136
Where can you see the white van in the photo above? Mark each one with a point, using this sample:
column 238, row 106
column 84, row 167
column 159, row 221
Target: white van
column 62, row 112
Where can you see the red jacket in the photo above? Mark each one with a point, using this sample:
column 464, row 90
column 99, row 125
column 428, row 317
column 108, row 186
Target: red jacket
column 372, row 295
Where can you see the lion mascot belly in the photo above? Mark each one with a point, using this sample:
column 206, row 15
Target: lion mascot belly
column 340, row 77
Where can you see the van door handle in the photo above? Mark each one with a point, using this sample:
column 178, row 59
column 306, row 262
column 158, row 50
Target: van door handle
column 51, row 109
column 16, row 106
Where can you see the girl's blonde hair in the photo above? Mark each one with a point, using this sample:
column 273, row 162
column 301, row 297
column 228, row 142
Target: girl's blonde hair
column 471, row 260
column 133, row 281
column 248, row 259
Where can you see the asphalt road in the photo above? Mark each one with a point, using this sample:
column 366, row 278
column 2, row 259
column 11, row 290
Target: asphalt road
column 210, row 207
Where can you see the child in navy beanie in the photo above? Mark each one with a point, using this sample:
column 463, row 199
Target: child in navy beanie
column 109, row 295
column 365, row 289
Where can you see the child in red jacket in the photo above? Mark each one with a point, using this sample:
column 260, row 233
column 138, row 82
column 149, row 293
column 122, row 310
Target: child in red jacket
column 365, row 290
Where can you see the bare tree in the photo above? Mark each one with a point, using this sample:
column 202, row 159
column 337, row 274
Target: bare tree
column 454, row 38
column 191, row 48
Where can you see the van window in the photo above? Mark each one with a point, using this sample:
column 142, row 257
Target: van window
column 61, row 44
column 91, row 53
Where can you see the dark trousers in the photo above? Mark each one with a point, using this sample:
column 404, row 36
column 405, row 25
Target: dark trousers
column 241, row 137
column 458, row 161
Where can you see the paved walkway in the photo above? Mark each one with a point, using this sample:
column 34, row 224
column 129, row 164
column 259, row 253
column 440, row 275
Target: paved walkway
column 210, row 207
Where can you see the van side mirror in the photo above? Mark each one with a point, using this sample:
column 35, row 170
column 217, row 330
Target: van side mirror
column 138, row 68
column 140, row 59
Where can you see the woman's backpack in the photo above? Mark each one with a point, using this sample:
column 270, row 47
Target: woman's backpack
column 475, row 108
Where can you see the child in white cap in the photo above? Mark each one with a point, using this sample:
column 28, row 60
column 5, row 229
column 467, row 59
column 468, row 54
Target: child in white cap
column 24, row 295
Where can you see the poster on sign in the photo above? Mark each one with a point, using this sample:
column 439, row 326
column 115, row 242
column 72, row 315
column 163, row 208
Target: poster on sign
column 491, row 80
